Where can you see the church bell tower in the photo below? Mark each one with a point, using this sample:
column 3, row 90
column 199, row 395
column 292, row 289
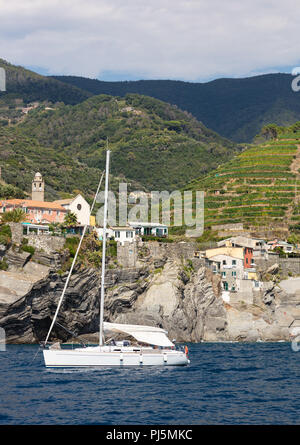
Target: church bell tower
column 38, row 188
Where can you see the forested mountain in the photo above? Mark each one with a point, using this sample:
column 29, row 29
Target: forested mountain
column 21, row 156
column 52, row 127
column 28, row 86
column 235, row 108
column 153, row 143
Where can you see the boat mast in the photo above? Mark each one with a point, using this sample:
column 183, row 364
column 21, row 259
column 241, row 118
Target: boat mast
column 104, row 250
column 73, row 264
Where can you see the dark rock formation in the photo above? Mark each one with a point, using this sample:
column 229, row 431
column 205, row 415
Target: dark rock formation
column 16, row 259
column 197, row 314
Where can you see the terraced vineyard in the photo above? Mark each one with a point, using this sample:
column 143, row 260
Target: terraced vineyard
column 259, row 187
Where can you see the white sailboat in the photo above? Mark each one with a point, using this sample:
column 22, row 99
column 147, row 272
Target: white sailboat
column 151, row 346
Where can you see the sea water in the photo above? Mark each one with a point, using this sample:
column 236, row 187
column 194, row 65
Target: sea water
column 226, row 383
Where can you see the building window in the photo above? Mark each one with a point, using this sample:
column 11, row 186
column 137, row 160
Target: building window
column 234, row 273
column 117, row 234
column 128, row 234
column 256, row 283
column 234, row 262
column 50, row 212
column 224, row 262
column 225, row 285
column 78, row 206
column 246, row 260
column 223, row 274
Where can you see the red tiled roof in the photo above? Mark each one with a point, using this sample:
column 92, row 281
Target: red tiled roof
column 33, row 204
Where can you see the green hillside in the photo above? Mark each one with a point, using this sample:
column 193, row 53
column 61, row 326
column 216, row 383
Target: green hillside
column 21, row 157
column 260, row 186
column 24, row 86
column 152, row 143
column 235, row 108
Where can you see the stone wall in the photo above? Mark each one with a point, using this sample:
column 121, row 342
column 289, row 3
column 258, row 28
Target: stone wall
column 183, row 250
column 244, row 293
column 290, row 265
column 46, row 243
column 262, row 264
column 287, row 265
column 127, row 254
column 226, row 227
column 16, row 232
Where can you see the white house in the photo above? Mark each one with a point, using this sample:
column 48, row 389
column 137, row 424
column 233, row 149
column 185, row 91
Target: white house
column 153, row 229
column 120, row 234
column 79, row 206
column 286, row 247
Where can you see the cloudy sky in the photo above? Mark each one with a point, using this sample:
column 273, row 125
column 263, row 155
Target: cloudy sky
column 194, row 40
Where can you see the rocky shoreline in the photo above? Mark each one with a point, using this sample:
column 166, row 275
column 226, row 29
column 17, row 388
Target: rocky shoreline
column 167, row 287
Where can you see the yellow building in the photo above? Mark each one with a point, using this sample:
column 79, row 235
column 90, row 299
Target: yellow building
column 235, row 252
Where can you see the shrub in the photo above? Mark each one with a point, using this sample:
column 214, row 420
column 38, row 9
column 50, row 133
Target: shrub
column 71, row 244
column 16, row 215
column 112, row 248
column 3, row 265
column 156, row 238
column 5, row 234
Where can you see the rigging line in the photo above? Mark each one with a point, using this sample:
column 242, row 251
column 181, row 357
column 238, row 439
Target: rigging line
column 72, row 266
column 39, row 348
column 72, row 333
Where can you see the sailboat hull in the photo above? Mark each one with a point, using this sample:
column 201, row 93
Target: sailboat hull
column 93, row 357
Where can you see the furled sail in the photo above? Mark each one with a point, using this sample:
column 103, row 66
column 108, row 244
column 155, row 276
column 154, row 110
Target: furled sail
column 144, row 334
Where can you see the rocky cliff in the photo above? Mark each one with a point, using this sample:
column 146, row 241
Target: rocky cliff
column 165, row 288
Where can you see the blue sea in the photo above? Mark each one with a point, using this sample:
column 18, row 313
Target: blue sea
column 226, row 383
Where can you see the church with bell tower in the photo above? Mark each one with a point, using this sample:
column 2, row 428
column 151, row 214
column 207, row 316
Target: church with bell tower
column 38, row 188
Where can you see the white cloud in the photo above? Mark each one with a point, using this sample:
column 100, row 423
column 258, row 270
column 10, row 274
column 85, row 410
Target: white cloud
column 178, row 39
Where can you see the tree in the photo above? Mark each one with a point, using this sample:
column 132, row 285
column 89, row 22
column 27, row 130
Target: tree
column 70, row 219
column 16, row 215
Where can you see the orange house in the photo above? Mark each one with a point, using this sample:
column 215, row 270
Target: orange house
column 37, row 212
column 248, row 255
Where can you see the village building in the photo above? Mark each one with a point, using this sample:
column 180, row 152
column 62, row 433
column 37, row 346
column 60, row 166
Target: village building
column 286, row 247
column 39, row 211
column 120, row 234
column 38, row 188
column 254, row 248
column 39, row 229
column 79, row 206
column 236, row 267
column 151, row 229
